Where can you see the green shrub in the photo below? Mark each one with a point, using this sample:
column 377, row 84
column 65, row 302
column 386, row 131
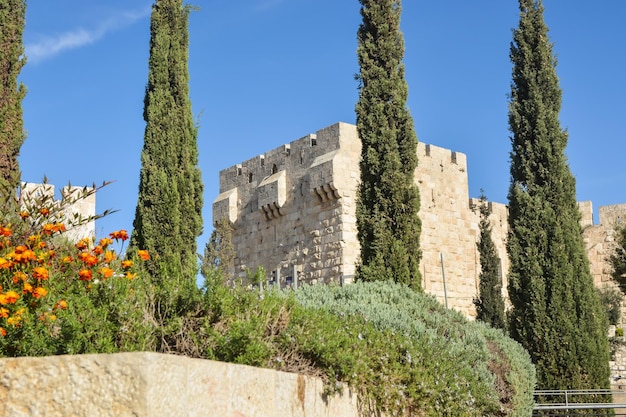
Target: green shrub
column 58, row 296
column 611, row 299
column 402, row 352
column 456, row 367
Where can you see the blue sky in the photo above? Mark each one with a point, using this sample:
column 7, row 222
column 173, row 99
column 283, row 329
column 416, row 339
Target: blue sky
column 266, row 72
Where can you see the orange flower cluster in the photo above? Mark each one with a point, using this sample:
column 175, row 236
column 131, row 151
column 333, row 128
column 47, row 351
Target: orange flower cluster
column 26, row 265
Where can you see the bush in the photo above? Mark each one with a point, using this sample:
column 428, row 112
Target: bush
column 611, row 299
column 402, row 352
column 464, row 368
column 60, row 297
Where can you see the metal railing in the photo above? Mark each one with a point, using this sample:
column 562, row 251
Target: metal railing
column 567, row 403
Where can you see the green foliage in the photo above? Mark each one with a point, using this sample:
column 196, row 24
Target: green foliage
column 619, row 332
column 447, row 364
column 388, row 199
column 490, row 303
column 218, row 262
column 168, row 216
column 12, row 135
column 400, row 350
column 618, row 259
column 59, row 297
column 556, row 312
column 611, row 299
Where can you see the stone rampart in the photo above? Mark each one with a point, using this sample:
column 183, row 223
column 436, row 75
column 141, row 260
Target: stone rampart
column 154, row 385
column 293, row 212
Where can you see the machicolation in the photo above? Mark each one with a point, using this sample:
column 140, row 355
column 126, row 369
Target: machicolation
column 293, row 212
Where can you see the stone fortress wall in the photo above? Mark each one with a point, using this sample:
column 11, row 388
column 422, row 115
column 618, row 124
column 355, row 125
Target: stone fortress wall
column 82, row 208
column 293, row 212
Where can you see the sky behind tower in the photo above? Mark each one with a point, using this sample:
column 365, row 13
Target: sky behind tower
column 266, row 72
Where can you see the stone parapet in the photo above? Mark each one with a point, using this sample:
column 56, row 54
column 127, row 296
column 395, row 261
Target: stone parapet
column 294, row 213
column 150, row 384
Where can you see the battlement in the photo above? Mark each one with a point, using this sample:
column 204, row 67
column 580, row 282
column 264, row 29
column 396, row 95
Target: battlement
column 293, row 211
column 613, row 215
column 81, row 208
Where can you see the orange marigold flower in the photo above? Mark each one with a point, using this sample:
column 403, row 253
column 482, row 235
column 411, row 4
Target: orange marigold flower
column 105, row 241
column 22, row 254
column 47, row 229
column 98, row 250
column 10, row 297
column 3, row 332
column 88, row 258
column 14, row 321
column 61, row 305
column 4, row 264
column 127, row 264
column 106, row 272
column 28, row 255
column 82, row 244
column 5, row 231
column 19, row 276
column 109, row 256
column 4, row 313
column 143, row 254
column 131, row 276
column 27, row 288
column 85, row 275
column 52, row 317
column 40, row 273
column 40, row 292
column 41, row 245
column 44, row 211
column 120, row 234
column 67, row 260
column 24, row 214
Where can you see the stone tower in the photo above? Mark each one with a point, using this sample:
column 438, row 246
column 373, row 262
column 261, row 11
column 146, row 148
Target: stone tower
column 293, row 212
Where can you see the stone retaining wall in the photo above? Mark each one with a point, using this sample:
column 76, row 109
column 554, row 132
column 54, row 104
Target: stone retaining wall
column 150, row 384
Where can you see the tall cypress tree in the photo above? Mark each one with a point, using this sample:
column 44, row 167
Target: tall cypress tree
column 12, row 18
column 490, row 303
column 168, row 215
column 388, row 199
column 556, row 312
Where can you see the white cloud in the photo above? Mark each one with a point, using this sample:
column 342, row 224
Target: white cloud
column 52, row 45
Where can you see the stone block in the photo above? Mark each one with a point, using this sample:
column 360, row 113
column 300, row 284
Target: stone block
column 149, row 385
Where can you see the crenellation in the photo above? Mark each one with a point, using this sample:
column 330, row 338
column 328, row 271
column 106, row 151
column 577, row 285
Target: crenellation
column 298, row 210
column 613, row 215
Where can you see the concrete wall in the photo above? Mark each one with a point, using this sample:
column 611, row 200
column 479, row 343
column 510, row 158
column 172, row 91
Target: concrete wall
column 151, row 384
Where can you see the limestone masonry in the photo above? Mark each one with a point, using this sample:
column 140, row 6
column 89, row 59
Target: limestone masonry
column 83, row 207
column 145, row 384
column 293, row 212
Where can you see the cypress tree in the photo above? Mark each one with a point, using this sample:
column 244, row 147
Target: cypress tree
column 490, row 303
column 12, row 18
column 388, row 199
column 168, row 214
column 556, row 312
column 618, row 259
column 218, row 262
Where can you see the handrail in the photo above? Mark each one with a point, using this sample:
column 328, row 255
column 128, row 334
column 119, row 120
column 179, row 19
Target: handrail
column 567, row 394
